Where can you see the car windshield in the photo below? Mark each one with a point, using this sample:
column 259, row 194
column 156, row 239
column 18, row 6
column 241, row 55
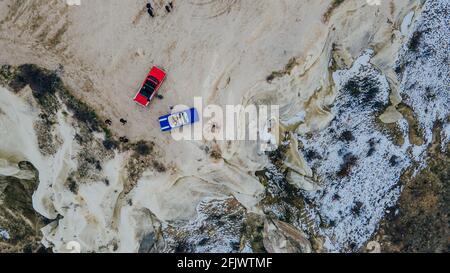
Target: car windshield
column 148, row 89
column 153, row 79
column 178, row 119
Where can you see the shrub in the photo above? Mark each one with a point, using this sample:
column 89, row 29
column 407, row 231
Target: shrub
column 142, row 148
column 415, row 41
column 110, row 144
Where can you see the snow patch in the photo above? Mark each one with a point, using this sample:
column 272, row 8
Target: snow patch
column 4, row 234
column 358, row 165
column 424, row 61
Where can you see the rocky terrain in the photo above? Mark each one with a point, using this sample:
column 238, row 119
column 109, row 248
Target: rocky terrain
column 362, row 164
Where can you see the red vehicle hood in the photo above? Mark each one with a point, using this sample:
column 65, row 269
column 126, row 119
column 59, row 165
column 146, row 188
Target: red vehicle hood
column 157, row 73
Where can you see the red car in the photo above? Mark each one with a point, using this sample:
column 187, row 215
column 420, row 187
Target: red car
column 150, row 86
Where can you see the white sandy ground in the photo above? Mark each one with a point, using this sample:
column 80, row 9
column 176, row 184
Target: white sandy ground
column 219, row 50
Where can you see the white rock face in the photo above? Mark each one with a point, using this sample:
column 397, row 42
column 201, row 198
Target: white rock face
column 97, row 216
column 280, row 237
column 73, row 2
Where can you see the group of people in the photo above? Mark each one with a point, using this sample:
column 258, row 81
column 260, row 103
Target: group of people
column 109, row 122
column 168, row 7
column 123, row 121
column 150, row 10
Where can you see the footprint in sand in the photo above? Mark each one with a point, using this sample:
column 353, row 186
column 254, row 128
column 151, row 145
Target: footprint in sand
column 207, row 9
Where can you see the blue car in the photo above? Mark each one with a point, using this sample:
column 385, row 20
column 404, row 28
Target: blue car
column 177, row 120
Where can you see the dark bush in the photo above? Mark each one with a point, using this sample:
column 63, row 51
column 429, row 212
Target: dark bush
column 357, row 207
column 372, row 148
column 349, row 162
column 353, row 87
column 415, row 41
column 43, row 83
column 109, row 144
column 312, row 155
column 142, row 148
column 82, row 112
column 394, row 160
column 72, row 185
column 159, row 166
column 347, row 136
